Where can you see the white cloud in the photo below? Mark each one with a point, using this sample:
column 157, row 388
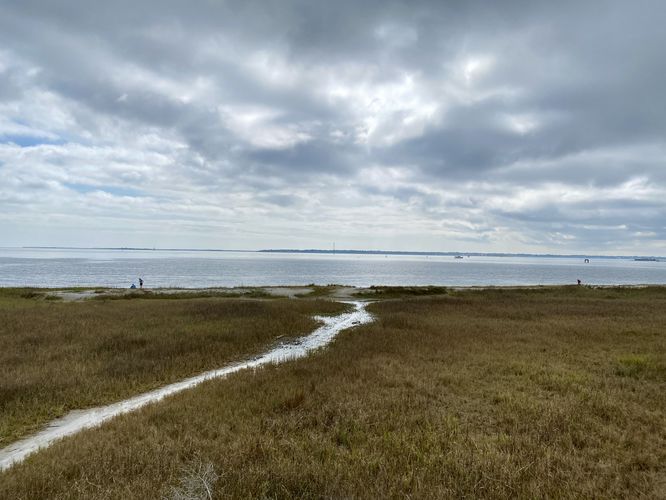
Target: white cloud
column 274, row 125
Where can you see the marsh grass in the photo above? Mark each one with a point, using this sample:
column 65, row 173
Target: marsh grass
column 20, row 293
column 386, row 292
column 318, row 291
column 57, row 357
column 254, row 293
column 33, row 292
column 495, row 394
column 640, row 367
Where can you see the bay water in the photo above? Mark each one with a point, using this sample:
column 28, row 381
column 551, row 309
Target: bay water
column 196, row 269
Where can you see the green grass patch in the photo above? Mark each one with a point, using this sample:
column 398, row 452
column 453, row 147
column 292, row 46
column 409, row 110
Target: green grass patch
column 640, row 367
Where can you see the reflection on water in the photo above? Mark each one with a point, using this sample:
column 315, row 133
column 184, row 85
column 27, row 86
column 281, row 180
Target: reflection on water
column 120, row 268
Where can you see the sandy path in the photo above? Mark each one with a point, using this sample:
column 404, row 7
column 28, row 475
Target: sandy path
column 83, row 419
column 286, row 291
column 72, row 296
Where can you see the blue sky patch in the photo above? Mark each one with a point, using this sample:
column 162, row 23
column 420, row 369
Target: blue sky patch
column 28, row 141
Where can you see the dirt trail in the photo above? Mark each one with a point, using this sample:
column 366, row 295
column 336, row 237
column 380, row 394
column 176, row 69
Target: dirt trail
column 79, row 420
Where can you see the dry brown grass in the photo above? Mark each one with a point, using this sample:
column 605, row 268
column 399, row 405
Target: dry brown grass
column 396, row 292
column 57, row 356
column 556, row 393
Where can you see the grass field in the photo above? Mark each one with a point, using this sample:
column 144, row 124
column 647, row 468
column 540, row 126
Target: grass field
column 499, row 393
column 59, row 356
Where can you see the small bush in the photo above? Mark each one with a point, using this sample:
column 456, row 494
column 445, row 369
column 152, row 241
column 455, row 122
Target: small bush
column 196, row 483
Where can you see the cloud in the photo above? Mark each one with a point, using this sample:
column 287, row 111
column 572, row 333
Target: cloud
column 525, row 126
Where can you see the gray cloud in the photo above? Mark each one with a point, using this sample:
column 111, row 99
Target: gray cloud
column 525, row 125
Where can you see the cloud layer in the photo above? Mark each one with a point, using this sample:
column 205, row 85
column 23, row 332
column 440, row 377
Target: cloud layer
column 487, row 126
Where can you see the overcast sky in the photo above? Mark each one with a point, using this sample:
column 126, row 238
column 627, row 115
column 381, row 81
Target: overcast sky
column 493, row 126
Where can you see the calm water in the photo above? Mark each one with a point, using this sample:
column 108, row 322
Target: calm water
column 120, row 268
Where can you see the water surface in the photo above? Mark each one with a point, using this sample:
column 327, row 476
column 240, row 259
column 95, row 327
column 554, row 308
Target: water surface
column 121, row 268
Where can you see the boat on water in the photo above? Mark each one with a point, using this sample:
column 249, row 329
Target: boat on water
column 458, row 257
column 646, row 259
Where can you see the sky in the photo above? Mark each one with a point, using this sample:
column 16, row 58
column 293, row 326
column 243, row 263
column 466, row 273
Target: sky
column 512, row 126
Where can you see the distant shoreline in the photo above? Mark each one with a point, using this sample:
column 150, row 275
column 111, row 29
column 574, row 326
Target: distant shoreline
column 357, row 252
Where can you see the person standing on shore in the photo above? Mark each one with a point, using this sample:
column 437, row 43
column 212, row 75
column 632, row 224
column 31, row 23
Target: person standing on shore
column 140, row 282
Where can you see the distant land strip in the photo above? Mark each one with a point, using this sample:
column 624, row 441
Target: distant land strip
column 359, row 252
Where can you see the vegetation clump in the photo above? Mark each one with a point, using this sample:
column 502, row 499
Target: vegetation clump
column 252, row 293
column 384, row 292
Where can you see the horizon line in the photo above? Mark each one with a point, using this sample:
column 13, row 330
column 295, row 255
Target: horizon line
column 350, row 252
